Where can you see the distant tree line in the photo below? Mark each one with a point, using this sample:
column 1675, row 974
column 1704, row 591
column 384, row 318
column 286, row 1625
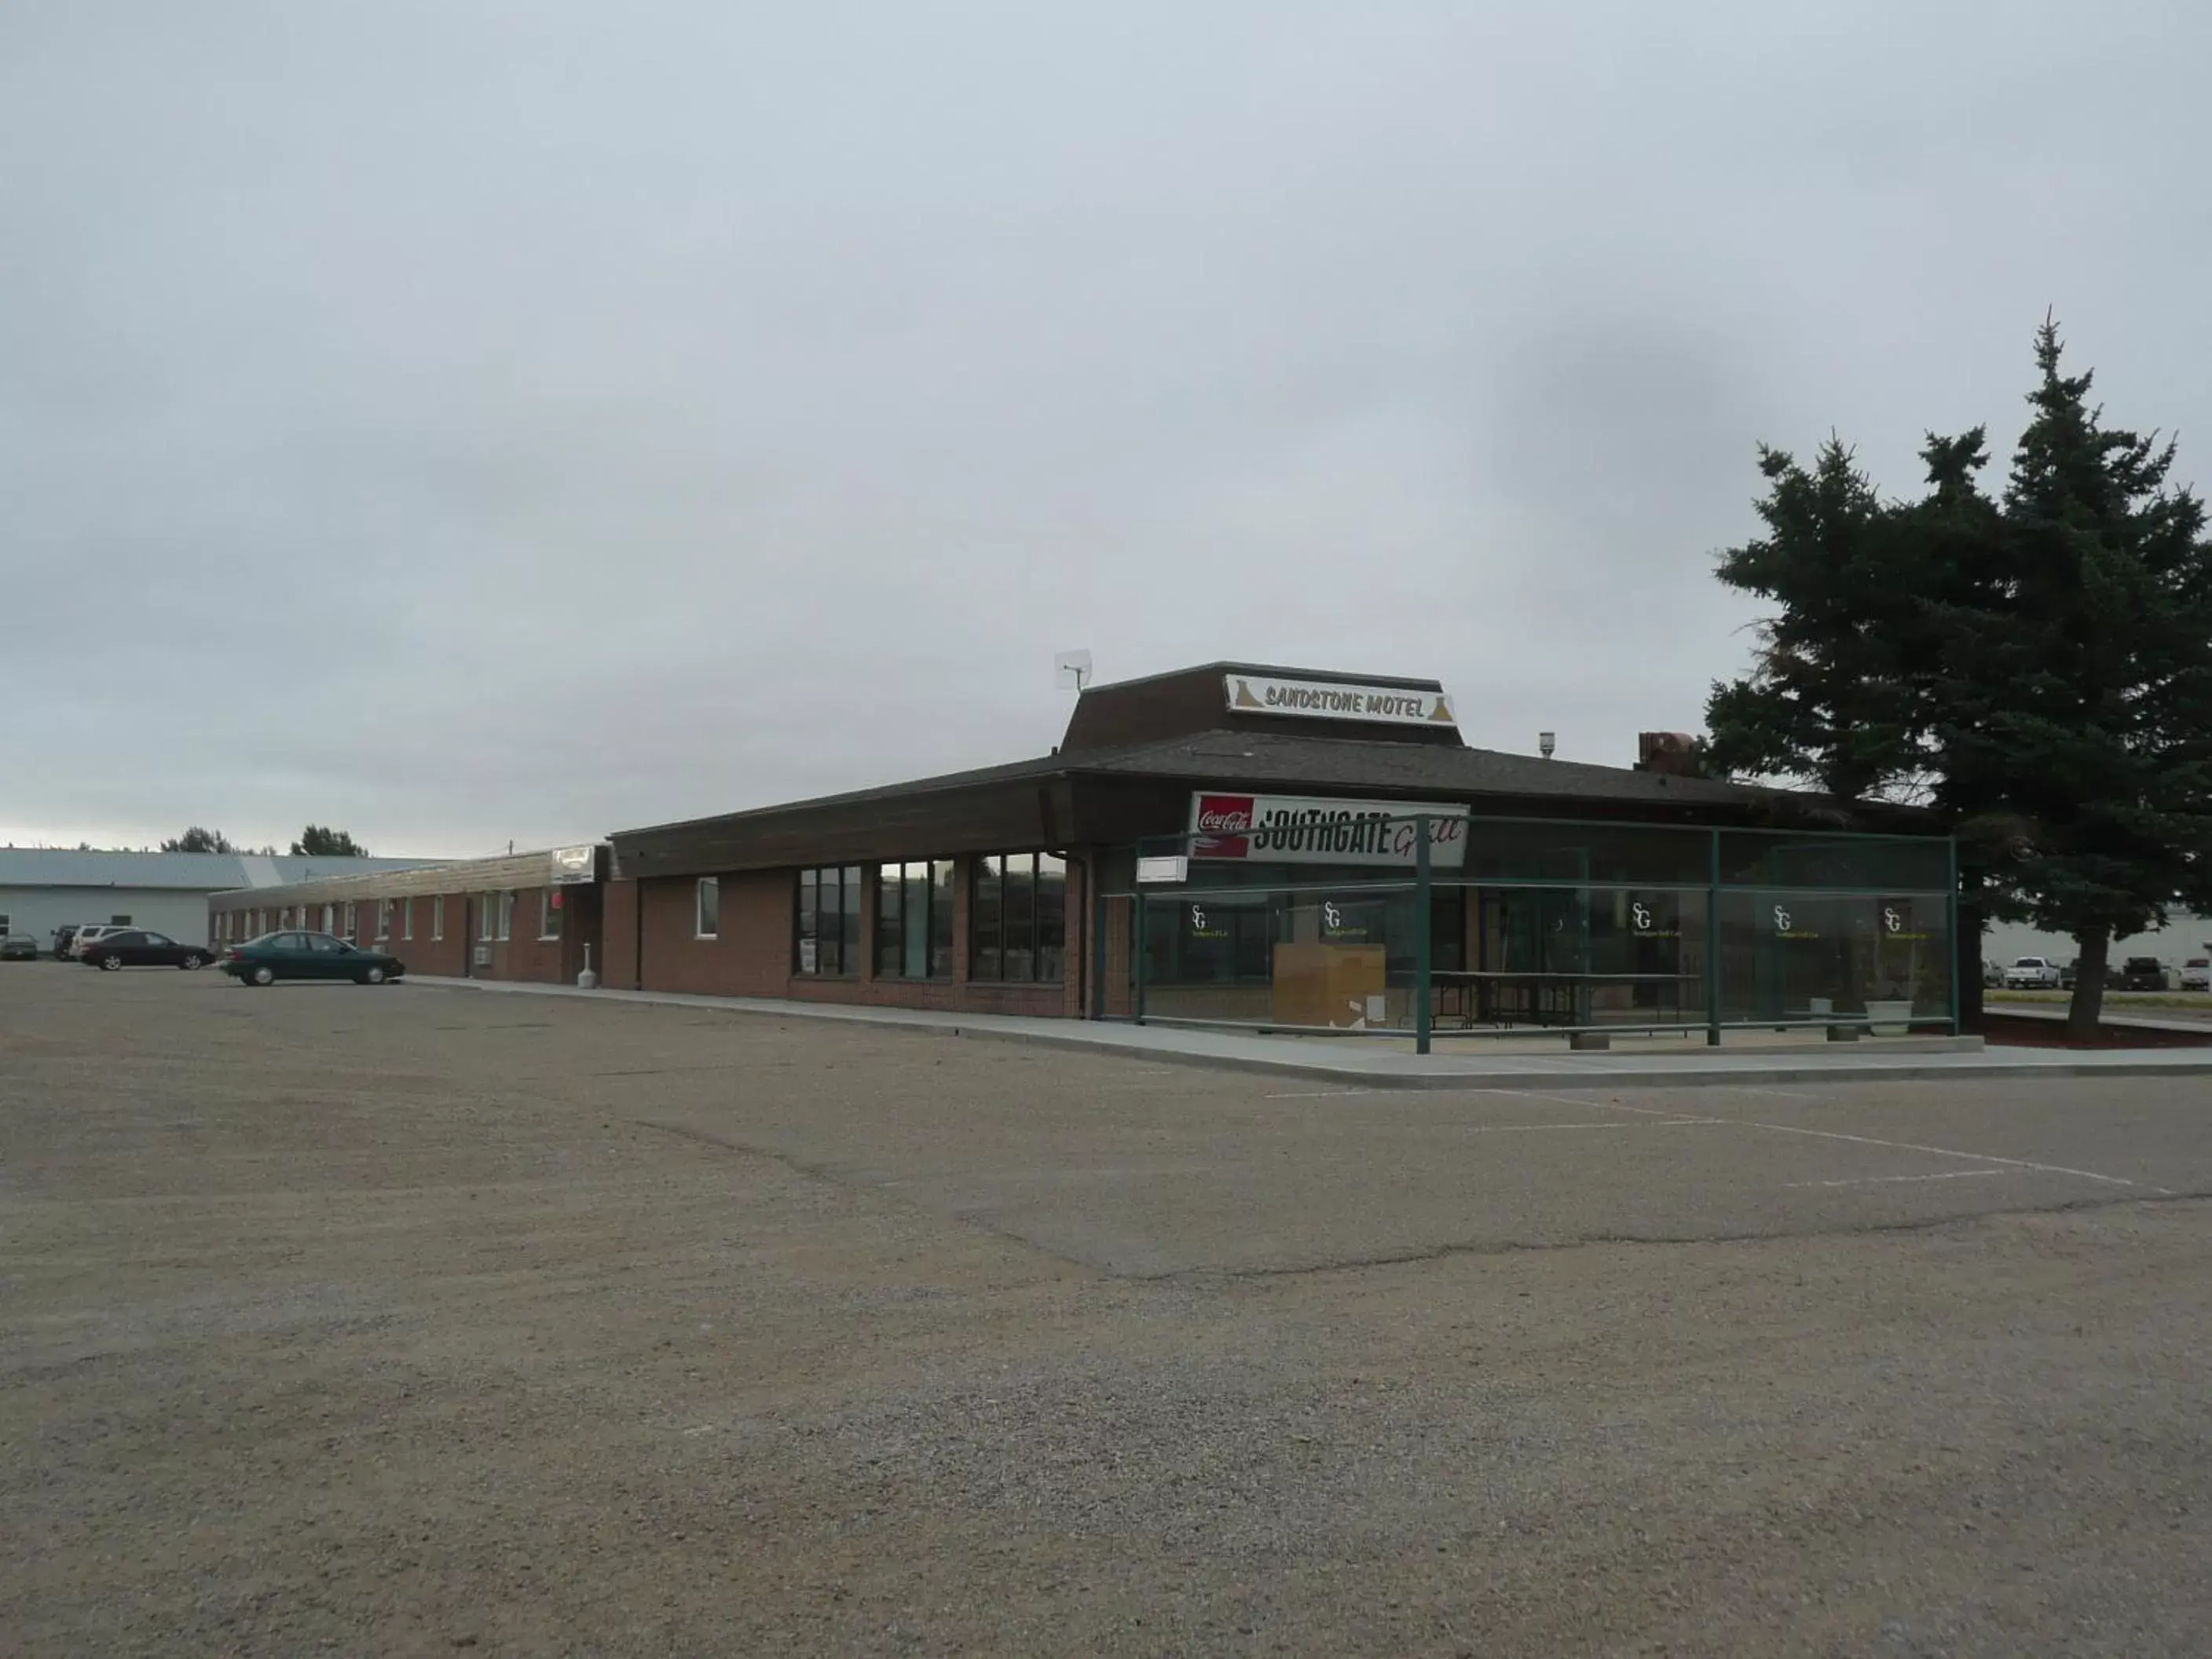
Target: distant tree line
column 314, row 841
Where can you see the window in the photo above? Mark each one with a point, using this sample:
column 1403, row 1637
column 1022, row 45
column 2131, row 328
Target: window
column 152, row 938
column 706, row 909
column 407, row 919
column 437, row 917
column 323, row 942
column 1018, row 918
column 830, row 921
column 383, row 920
column 549, row 913
column 353, row 920
column 913, row 920
column 6, row 924
column 118, row 921
column 496, row 917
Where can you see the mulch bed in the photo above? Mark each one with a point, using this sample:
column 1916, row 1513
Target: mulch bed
column 2025, row 1031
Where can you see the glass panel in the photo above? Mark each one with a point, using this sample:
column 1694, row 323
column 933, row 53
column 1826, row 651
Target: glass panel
column 1797, row 956
column 1020, row 917
column 888, row 914
column 940, row 918
column 914, row 962
column 1051, row 916
column 984, row 954
column 1508, row 850
column 849, row 955
column 1869, row 864
column 1211, row 956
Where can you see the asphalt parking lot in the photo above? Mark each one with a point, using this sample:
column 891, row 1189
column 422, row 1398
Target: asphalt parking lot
column 414, row 1319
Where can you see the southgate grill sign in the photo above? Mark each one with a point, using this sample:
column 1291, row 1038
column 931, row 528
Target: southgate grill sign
column 1303, row 830
column 1390, row 705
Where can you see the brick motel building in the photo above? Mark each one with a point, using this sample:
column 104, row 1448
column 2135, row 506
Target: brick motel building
column 1235, row 843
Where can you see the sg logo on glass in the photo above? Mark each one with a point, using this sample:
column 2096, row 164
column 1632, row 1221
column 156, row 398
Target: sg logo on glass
column 1891, row 920
column 1331, row 916
column 1781, row 920
column 1642, row 914
column 1197, row 919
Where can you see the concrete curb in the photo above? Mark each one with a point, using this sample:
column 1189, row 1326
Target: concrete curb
column 1923, row 1065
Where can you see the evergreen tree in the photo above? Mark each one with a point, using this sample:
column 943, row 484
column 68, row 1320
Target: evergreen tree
column 2039, row 669
column 2082, row 691
column 316, row 842
column 196, row 840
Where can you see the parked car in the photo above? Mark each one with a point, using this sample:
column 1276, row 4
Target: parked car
column 86, row 933
column 2033, row 974
column 1993, row 975
column 2196, row 974
column 141, row 947
column 272, row 956
column 2069, row 973
column 63, row 935
column 18, row 947
column 2143, row 974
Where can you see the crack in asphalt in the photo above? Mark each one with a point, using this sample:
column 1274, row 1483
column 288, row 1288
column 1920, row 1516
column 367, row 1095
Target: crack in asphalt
column 1590, row 1240
column 983, row 1223
column 830, row 1177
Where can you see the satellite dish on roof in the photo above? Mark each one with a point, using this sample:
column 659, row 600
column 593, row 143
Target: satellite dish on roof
column 1070, row 670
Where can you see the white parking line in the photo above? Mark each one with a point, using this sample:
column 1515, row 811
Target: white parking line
column 1878, row 1180
column 1938, row 1152
column 1832, row 1134
column 1586, row 1103
column 1318, row 1094
column 1521, row 1128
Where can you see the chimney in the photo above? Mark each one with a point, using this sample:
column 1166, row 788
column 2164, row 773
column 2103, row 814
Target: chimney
column 1674, row 754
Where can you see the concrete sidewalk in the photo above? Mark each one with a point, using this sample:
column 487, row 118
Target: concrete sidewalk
column 1349, row 1064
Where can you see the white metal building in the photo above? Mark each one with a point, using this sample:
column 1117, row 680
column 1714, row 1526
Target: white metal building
column 42, row 888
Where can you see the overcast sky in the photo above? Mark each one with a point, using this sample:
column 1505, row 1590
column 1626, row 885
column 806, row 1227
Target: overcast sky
column 466, row 421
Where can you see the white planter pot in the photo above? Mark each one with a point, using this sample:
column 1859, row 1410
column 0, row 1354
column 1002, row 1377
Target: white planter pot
column 1888, row 1019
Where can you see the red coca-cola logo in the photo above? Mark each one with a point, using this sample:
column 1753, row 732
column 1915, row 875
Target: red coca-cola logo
column 1224, row 815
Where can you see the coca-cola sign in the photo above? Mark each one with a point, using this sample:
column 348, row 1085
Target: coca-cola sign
column 1321, row 830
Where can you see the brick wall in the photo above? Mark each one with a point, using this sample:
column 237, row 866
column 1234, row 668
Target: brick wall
column 618, row 933
column 752, row 953
column 524, row 956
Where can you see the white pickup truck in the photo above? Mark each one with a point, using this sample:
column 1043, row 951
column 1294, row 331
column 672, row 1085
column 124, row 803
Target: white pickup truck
column 2033, row 974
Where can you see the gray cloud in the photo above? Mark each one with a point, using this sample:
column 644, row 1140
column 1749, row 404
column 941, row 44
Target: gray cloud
column 482, row 421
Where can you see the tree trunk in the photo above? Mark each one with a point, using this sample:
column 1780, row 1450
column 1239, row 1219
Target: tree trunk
column 2088, row 1005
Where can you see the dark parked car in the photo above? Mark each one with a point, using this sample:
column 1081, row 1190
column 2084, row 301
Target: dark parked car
column 273, row 957
column 63, row 935
column 141, row 947
column 18, row 947
column 2143, row 974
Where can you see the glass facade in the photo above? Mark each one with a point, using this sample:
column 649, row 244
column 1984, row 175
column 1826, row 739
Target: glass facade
column 913, row 920
column 1560, row 926
column 1018, row 918
column 828, row 933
